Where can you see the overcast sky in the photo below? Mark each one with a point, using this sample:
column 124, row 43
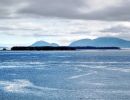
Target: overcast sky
column 23, row 22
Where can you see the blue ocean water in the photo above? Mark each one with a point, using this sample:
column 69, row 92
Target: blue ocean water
column 65, row 75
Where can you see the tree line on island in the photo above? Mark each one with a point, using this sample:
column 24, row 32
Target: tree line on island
column 98, row 43
column 46, row 48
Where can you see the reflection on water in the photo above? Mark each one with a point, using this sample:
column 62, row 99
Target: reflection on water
column 71, row 75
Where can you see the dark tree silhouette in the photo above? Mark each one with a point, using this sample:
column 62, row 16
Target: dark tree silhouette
column 4, row 49
column 18, row 48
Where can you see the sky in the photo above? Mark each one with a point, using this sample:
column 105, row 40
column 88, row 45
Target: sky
column 23, row 22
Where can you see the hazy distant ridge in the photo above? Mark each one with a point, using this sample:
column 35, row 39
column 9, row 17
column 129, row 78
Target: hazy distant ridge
column 98, row 42
column 102, row 42
column 43, row 43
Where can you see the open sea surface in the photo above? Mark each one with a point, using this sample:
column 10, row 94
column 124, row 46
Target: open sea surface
column 65, row 75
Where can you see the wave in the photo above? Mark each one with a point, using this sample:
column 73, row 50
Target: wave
column 81, row 75
column 23, row 86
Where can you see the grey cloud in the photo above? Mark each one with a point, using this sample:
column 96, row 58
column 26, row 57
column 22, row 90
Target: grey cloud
column 69, row 9
column 55, row 8
column 117, row 29
column 5, row 28
column 9, row 8
column 43, row 35
column 24, row 33
column 112, row 13
column 65, row 9
column 8, row 28
column 81, row 32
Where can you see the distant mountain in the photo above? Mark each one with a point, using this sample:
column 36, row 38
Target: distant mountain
column 102, row 42
column 43, row 43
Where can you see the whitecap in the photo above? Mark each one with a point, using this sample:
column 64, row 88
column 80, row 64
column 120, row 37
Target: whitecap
column 81, row 75
column 127, row 70
column 23, row 86
column 15, row 85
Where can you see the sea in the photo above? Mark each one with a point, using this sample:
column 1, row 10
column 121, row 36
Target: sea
column 65, row 75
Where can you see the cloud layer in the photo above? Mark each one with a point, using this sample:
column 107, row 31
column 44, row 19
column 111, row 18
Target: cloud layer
column 71, row 9
column 23, row 22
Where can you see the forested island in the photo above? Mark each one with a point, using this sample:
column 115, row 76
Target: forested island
column 60, row 48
